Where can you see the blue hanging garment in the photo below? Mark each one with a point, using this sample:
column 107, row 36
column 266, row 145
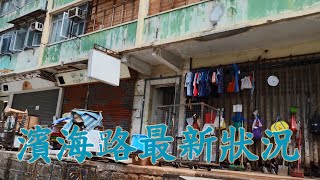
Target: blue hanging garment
column 236, row 72
column 238, row 120
column 220, row 77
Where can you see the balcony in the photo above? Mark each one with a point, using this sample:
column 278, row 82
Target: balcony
column 211, row 17
column 117, row 38
column 31, row 10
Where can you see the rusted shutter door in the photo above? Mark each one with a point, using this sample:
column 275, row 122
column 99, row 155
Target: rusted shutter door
column 114, row 102
column 74, row 97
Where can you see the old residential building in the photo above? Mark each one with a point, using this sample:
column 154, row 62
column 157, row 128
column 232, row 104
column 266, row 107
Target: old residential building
column 47, row 43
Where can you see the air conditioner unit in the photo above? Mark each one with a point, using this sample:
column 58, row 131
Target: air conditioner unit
column 76, row 14
column 36, row 26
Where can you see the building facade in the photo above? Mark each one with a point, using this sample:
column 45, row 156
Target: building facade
column 159, row 42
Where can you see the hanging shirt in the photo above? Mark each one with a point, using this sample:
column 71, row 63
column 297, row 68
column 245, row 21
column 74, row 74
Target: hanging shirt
column 195, row 89
column 238, row 117
column 202, row 84
column 220, row 81
column 236, row 72
column 208, row 83
column 214, row 77
column 238, row 120
column 189, row 83
column 253, row 84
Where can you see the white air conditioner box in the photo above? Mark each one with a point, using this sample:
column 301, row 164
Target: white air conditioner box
column 36, row 26
column 76, row 14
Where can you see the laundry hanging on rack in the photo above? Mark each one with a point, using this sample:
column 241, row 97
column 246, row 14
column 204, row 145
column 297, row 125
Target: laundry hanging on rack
column 189, row 83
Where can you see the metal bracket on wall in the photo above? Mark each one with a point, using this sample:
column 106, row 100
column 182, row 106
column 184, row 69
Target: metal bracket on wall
column 107, row 51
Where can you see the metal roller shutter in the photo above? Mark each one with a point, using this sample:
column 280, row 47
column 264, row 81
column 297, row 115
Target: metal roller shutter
column 75, row 97
column 114, row 102
column 46, row 100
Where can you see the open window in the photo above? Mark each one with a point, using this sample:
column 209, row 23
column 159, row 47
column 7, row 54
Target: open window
column 34, row 34
column 33, row 39
column 69, row 24
column 64, row 32
column 19, row 39
column 5, row 41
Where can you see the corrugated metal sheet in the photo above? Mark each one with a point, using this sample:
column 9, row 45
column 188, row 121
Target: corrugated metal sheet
column 46, row 100
column 299, row 81
column 114, row 102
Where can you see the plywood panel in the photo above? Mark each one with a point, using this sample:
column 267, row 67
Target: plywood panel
column 107, row 13
column 157, row 6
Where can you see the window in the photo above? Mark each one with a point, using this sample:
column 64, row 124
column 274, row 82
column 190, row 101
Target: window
column 5, row 41
column 65, row 25
column 33, row 38
column 7, row 6
column 20, row 39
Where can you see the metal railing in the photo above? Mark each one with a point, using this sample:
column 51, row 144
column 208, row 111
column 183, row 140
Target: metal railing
column 177, row 117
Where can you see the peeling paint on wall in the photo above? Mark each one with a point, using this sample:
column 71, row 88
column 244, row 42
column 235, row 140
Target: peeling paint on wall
column 117, row 38
column 196, row 18
column 20, row 61
column 58, row 3
column 26, row 9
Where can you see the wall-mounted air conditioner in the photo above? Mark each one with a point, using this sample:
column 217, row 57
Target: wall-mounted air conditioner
column 76, row 14
column 36, row 26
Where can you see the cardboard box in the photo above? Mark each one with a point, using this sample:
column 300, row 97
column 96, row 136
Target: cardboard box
column 31, row 121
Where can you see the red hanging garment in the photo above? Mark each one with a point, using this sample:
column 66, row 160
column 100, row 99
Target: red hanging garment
column 293, row 124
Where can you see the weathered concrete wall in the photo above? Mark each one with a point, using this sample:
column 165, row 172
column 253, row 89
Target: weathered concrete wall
column 20, row 61
column 116, row 38
column 59, row 3
column 308, row 47
column 137, row 106
column 26, row 9
column 195, row 19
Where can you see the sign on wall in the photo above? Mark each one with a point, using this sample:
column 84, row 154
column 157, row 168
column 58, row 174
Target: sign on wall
column 104, row 68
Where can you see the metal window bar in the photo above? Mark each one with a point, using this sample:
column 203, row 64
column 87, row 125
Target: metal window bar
column 171, row 114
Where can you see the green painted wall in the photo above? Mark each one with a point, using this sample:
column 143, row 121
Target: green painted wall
column 196, row 18
column 117, row 38
column 26, row 9
column 263, row 8
column 58, row 3
column 6, row 63
column 20, row 61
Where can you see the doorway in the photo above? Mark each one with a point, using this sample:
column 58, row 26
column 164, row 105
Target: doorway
column 160, row 92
